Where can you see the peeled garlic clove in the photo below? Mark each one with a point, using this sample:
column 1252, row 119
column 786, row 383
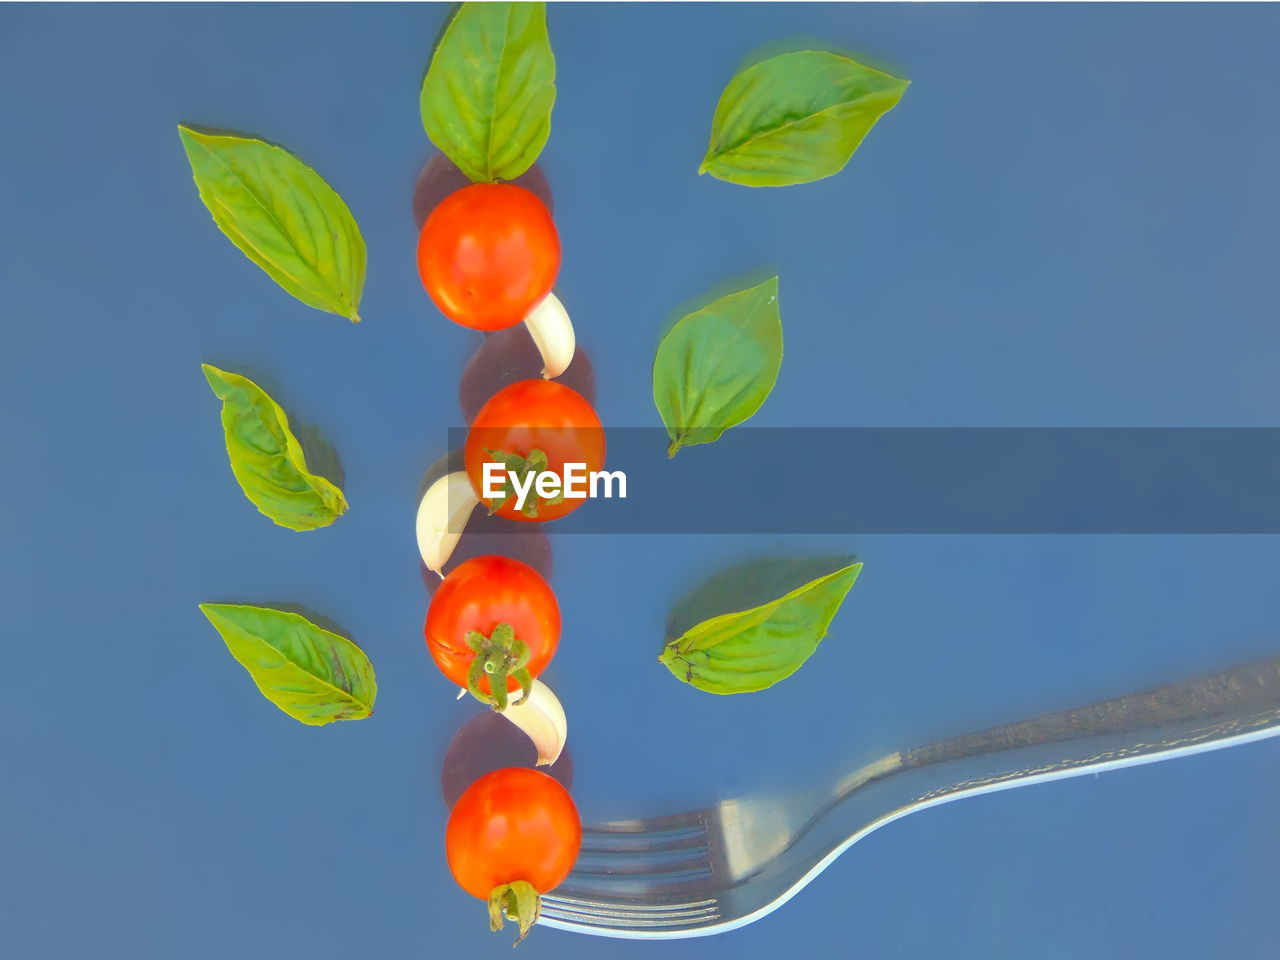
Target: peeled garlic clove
column 442, row 515
column 542, row 718
column 552, row 331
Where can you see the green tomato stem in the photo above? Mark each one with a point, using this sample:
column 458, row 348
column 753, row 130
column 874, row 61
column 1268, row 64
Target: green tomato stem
column 498, row 656
column 517, row 901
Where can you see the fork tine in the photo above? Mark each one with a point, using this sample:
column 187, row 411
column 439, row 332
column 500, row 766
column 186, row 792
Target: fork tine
column 679, row 832
column 626, row 853
column 656, row 863
column 629, row 879
column 634, row 840
column 660, row 857
column 629, row 922
column 633, row 915
column 636, row 883
column 640, row 875
column 654, row 825
column 639, row 908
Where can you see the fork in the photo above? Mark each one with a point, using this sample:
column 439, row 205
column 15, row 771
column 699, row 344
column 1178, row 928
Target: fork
column 717, row 869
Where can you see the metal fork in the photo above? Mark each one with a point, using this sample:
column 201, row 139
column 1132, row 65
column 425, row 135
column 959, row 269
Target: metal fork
column 718, row 869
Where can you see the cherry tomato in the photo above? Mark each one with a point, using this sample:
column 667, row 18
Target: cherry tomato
column 513, row 835
column 532, row 427
column 493, row 618
column 488, row 254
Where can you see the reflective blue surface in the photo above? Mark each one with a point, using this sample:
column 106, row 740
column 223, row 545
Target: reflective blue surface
column 1072, row 219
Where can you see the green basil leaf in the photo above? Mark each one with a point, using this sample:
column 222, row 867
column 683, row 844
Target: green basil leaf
column 282, row 216
column 754, row 649
column 313, row 675
column 795, row 118
column 487, row 97
column 717, row 365
column 267, row 459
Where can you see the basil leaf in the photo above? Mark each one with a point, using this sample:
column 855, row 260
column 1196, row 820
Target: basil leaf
column 754, row 649
column 313, row 675
column 717, row 365
column 487, row 96
column 267, row 459
column 282, row 216
column 795, row 118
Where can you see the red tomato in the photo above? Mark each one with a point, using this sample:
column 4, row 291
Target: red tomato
column 488, row 254
column 498, row 610
column 514, row 834
column 527, row 421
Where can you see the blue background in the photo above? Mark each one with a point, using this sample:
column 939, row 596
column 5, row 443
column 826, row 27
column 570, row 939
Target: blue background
column 1073, row 218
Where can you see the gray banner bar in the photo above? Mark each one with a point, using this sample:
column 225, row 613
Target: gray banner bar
column 941, row 480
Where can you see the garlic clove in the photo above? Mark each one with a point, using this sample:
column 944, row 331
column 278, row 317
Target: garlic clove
column 542, row 718
column 552, row 332
column 442, row 515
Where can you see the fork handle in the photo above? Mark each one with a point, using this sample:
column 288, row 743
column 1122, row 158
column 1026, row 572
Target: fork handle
column 1213, row 707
